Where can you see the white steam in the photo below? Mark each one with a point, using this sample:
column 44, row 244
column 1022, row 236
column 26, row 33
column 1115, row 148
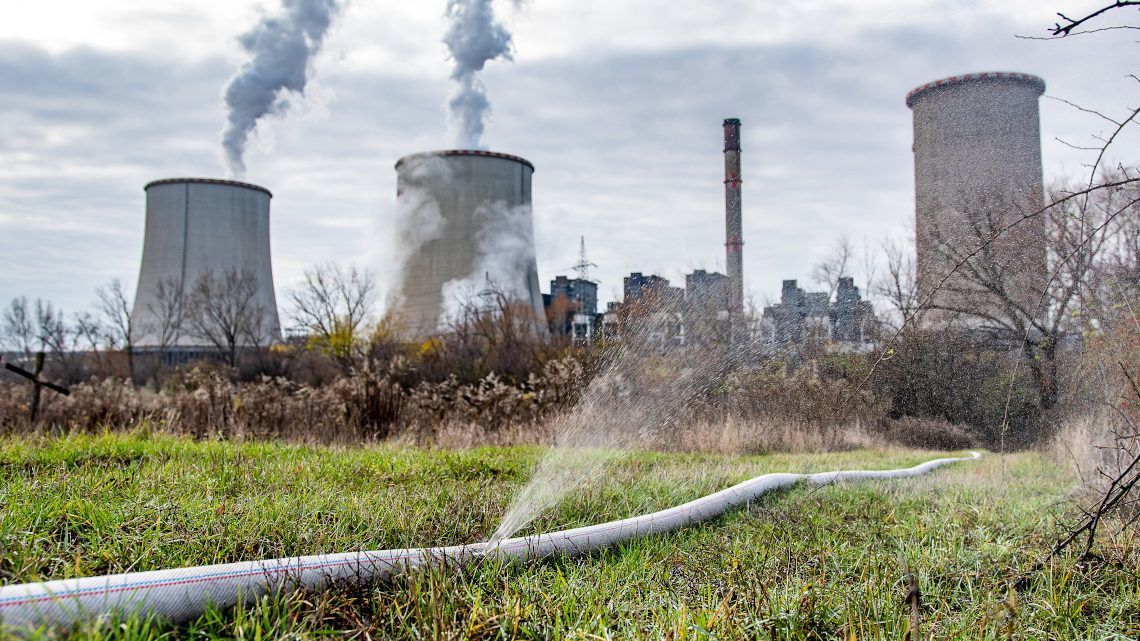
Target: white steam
column 281, row 48
column 418, row 216
column 473, row 39
column 504, row 253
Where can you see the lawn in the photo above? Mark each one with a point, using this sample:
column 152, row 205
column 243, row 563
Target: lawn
column 801, row 563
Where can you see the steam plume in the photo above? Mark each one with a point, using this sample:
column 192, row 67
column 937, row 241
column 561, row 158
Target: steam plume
column 473, row 39
column 281, row 48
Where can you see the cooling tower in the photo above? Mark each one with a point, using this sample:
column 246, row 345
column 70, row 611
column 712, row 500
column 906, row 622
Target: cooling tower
column 977, row 172
column 465, row 226
column 195, row 226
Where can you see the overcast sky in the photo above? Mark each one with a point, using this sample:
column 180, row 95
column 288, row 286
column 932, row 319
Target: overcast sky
column 618, row 103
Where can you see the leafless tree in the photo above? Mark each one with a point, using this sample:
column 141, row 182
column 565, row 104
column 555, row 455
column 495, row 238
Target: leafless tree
column 1112, row 291
column 61, row 339
column 118, row 320
column 19, row 327
column 222, row 311
column 987, row 290
column 164, row 315
column 897, row 284
column 50, row 329
column 835, row 265
column 334, row 306
column 492, row 331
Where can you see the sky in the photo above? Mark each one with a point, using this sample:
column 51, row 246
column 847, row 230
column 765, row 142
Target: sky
column 618, row 104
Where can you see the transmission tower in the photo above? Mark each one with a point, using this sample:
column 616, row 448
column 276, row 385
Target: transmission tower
column 487, row 295
column 582, row 267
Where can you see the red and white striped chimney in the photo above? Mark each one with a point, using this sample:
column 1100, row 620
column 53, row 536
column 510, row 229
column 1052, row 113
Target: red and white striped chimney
column 733, row 242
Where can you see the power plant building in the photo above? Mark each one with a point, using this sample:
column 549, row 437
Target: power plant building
column 466, row 217
column 978, row 180
column 582, row 291
column 803, row 317
column 709, row 292
column 572, row 307
column 195, row 227
column 652, row 291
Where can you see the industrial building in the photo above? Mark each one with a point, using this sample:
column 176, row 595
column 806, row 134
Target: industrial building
column 465, row 219
column 708, row 293
column 850, row 318
column 810, row 317
column 196, row 226
column 583, row 292
column 799, row 316
column 977, row 168
column 651, row 290
column 572, row 308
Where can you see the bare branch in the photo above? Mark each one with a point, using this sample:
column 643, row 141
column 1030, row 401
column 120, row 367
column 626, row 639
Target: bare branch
column 1070, row 24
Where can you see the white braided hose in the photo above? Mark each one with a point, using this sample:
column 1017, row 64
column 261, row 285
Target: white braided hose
column 183, row 593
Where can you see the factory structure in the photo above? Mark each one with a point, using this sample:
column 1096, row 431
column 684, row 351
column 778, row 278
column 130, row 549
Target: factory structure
column 812, row 317
column 467, row 230
column 198, row 228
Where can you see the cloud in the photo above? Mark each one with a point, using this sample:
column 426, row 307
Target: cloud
column 625, row 136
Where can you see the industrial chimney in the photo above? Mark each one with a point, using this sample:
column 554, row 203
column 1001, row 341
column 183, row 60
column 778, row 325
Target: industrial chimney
column 977, row 165
column 734, row 241
column 466, row 219
column 195, row 226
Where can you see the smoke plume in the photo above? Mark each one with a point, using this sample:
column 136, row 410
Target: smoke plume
column 280, row 47
column 474, row 38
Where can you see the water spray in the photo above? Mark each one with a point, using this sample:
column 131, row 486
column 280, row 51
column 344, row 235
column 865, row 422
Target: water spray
column 181, row 594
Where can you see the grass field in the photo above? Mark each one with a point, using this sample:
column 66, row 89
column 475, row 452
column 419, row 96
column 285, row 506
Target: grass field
column 800, row 564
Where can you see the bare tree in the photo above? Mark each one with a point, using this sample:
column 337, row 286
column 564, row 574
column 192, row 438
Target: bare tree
column 835, row 265
column 987, row 289
column 491, row 332
column 334, row 306
column 19, row 328
column 164, row 315
column 60, row 339
column 897, row 285
column 90, row 333
column 222, row 310
column 118, row 318
column 50, row 329
column 1109, row 294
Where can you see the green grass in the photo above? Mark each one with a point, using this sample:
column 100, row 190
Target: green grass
column 800, row 564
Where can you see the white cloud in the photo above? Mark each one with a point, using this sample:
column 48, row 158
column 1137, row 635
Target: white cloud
column 617, row 104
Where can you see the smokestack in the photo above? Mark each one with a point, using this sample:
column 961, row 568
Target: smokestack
column 733, row 241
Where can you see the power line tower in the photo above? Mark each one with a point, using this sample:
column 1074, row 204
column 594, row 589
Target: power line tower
column 487, row 296
column 584, row 311
column 582, row 267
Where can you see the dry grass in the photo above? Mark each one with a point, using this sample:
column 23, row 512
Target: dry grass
column 749, row 412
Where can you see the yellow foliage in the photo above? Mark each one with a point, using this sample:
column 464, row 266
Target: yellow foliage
column 429, row 347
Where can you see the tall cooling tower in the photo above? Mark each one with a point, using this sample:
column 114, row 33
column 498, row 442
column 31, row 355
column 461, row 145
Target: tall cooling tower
column 465, row 226
column 977, row 166
column 195, row 226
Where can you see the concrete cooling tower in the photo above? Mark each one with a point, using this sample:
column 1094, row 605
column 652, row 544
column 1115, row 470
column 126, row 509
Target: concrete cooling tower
column 195, row 226
column 977, row 168
column 465, row 223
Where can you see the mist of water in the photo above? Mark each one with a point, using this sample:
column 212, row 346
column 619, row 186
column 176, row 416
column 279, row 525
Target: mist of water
column 644, row 385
